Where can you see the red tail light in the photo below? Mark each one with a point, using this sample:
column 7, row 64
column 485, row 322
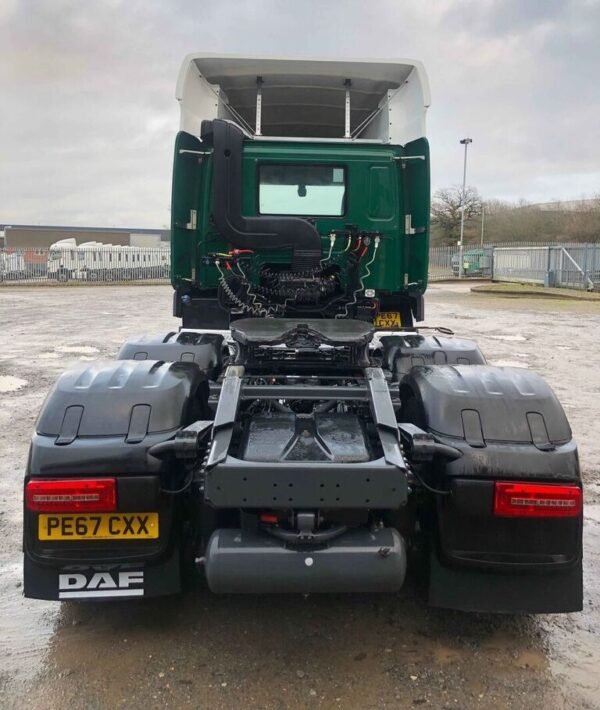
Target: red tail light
column 537, row 500
column 88, row 495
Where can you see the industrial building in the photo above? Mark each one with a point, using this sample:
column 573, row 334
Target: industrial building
column 41, row 237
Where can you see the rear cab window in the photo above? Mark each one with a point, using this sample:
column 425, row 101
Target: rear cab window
column 302, row 190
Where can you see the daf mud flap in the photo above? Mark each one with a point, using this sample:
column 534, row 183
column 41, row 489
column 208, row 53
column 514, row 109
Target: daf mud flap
column 102, row 581
column 248, row 562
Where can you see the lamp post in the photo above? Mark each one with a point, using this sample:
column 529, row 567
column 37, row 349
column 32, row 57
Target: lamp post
column 482, row 220
column 465, row 142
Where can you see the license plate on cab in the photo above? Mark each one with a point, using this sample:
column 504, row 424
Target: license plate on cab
column 98, row 526
column 389, row 319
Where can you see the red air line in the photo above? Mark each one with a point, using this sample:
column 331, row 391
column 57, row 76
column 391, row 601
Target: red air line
column 237, row 252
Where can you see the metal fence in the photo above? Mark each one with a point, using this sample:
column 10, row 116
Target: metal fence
column 572, row 266
column 552, row 265
column 99, row 263
column 444, row 262
column 566, row 265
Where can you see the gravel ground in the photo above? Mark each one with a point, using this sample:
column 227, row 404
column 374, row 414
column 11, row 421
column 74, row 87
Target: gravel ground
column 370, row 651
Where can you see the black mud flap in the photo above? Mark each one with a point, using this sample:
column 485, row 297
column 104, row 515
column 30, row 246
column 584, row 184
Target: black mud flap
column 502, row 593
column 102, row 582
column 509, row 427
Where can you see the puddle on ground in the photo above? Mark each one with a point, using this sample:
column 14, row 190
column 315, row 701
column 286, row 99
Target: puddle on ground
column 8, row 383
column 69, row 643
column 575, row 638
column 27, row 624
column 444, row 655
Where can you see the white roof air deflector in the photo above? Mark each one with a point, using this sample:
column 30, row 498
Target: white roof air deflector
column 385, row 101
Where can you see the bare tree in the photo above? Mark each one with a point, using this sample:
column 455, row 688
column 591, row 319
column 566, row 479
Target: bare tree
column 446, row 210
column 517, row 221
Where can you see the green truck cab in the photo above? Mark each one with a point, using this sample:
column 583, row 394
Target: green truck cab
column 300, row 188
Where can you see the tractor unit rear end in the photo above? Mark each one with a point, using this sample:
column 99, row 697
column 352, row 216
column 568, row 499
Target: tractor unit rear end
column 300, row 433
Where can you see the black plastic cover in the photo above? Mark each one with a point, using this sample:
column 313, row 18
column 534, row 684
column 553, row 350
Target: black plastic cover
column 202, row 311
column 126, row 398
column 481, row 404
column 272, row 331
column 402, row 352
column 205, row 349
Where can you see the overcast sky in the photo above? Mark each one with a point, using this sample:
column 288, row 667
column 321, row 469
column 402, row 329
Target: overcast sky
column 88, row 114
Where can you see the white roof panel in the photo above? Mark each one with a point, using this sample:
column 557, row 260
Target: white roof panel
column 305, row 98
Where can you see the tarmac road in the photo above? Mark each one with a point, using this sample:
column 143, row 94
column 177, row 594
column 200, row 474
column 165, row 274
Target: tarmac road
column 278, row 652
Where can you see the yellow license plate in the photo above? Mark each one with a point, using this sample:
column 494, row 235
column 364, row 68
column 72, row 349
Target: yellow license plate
column 390, row 319
column 98, row 526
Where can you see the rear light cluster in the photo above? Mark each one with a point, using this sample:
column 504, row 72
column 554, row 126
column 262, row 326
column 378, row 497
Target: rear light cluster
column 85, row 495
column 537, row 500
